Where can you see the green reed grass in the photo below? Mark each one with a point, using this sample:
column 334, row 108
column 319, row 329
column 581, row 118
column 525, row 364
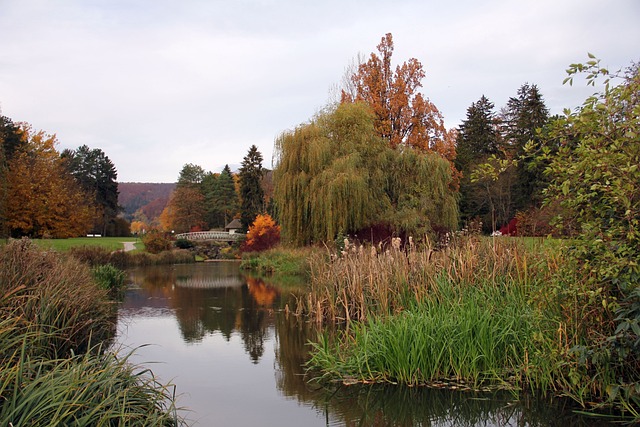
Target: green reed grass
column 283, row 261
column 111, row 279
column 468, row 315
column 97, row 388
column 55, row 325
column 480, row 313
column 488, row 337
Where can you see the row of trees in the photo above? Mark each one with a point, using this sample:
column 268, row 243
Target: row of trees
column 207, row 200
column 375, row 160
column 499, row 176
column 45, row 193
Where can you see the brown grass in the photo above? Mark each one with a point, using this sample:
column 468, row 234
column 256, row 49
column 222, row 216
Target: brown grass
column 49, row 292
column 365, row 281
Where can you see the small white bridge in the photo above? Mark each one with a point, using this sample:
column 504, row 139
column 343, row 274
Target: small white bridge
column 210, row 235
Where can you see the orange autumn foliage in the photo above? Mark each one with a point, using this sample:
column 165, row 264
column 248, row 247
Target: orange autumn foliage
column 263, row 294
column 404, row 117
column 139, row 227
column 263, row 234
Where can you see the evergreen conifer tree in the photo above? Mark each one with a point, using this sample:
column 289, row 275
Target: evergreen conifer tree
column 525, row 115
column 97, row 176
column 478, row 138
column 251, row 193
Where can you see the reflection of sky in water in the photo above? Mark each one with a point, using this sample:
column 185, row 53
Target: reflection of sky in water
column 225, row 388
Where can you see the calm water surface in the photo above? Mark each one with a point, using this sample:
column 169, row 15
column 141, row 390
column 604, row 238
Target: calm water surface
column 236, row 357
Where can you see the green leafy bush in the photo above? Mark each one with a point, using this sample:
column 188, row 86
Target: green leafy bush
column 595, row 176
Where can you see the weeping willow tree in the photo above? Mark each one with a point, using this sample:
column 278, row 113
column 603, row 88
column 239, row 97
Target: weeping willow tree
column 335, row 174
column 420, row 193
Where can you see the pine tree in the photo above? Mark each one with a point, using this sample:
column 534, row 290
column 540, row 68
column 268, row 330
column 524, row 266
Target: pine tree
column 251, row 193
column 226, row 196
column 525, row 116
column 221, row 198
column 97, row 176
column 478, row 139
column 478, row 135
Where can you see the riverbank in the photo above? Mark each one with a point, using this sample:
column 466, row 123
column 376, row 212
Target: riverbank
column 481, row 314
column 55, row 368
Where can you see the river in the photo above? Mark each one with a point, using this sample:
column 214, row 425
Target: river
column 236, row 357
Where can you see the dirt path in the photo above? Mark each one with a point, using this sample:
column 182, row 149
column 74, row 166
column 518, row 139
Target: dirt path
column 129, row 246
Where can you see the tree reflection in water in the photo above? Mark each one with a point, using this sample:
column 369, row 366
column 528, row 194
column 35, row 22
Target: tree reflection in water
column 204, row 303
column 217, row 300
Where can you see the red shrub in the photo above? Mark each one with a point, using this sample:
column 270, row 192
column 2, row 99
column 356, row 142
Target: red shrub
column 510, row 229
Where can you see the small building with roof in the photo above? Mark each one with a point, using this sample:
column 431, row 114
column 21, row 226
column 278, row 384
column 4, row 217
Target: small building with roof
column 233, row 227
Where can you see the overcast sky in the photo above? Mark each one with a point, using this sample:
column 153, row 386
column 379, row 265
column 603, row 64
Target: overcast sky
column 157, row 84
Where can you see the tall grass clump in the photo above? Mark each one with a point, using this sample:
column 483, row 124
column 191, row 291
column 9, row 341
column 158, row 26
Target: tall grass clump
column 96, row 388
column 479, row 313
column 50, row 292
column 55, row 324
column 361, row 282
column 110, row 278
column 488, row 337
column 281, row 260
column 467, row 314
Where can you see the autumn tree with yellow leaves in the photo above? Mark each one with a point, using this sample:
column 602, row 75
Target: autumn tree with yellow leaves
column 42, row 198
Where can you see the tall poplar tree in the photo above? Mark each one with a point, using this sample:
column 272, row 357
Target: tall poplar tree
column 251, row 193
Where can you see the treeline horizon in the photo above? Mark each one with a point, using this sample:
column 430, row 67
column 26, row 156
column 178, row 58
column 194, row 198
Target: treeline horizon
column 366, row 161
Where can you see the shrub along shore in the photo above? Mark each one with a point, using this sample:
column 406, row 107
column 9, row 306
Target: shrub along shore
column 55, row 329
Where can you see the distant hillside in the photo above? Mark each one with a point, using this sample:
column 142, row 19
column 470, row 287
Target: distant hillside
column 150, row 197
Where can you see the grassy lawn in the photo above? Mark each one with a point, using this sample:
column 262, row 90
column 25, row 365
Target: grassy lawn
column 111, row 243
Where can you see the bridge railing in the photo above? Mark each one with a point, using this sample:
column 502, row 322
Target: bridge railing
column 213, row 283
column 209, row 235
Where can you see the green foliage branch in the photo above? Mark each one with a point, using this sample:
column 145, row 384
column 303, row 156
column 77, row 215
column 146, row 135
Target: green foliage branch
column 595, row 176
